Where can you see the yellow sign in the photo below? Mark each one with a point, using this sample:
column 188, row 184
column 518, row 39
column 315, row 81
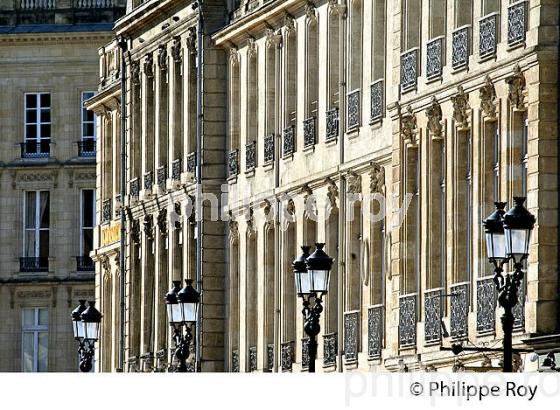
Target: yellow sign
column 110, row 234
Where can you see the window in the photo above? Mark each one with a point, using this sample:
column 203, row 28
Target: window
column 36, row 227
column 87, row 222
column 524, row 154
column 35, row 339
column 87, row 143
column 37, row 125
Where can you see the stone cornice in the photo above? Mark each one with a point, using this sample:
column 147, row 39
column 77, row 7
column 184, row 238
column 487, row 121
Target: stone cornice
column 43, row 38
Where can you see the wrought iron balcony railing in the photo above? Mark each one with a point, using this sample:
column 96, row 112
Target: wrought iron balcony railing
column 86, row 148
column 375, row 331
column 332, row 124
column 94, row 4
column 488, row 35
column 432, row 315
column 106, row 211
column 270, row 357
column 235, row 361
column 84, row 264
column 176, row 169
column 253, row 359
column 354, row 109
column 305, row 353
column 251, row 156
column 148, row 180
column 517, row 22
column 162, row 177
column 434, row 58
column 409, row 69
column 486, row 298
column 34, row 264
column 38, row 4
column 233, row 163
column 288, row 143
column 287, row 357
column 377, row 100
column 351, row 336
column 36, row 149
column 329, row 349
column 459, row 325
column 460, row 47
column 407, row 320
column 269, row 148
column 135, row 188
column 191, row 163
column 309, row 133
column 519, row 309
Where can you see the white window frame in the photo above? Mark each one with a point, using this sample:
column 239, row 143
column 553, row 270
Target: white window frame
column 35, row 329
column 38, row 121
column 82, row 227
column 37, row 228
column 83, row 121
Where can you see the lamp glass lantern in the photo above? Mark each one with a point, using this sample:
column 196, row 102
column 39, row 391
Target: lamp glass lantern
column 495, row 237
column 77, row 324
column 91, row 318
column 319, row 265
column 301, row 275
column 188, row 299
column 172, row 303
column 518, row 224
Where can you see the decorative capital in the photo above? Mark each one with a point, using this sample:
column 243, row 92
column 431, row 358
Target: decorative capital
column 251, row 47
column 273, row 38
column 162, row 57
column 461, row 108
column 149, row 65
column 516, row 83
column 289, row 23
column 233, row 56
column 433, row 112
column 354, row 183
column 332, row 192
column 310, row 11
column 176, row 49
column 377, row 179
column 409, row 127
column 191, row 40
column 488, row 99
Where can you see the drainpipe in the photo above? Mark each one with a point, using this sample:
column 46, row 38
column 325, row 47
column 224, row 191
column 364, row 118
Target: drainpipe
column 341, row 183
column 122, row 247
column 199, row 219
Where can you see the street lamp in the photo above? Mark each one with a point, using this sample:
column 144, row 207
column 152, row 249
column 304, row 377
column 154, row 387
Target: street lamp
column 86, row 324
column 312, row 282
column 182, row 312
column 507, row 238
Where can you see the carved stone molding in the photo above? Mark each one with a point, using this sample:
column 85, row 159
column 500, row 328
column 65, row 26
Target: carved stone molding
column 33, row 294
column 409, row 127
column 461, row 108
column 435, row 124
column 354, row 183
column 488, row 99
column 516, row 83
column 377, row 179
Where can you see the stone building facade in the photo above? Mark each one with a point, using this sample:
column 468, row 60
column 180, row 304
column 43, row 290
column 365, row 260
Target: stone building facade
column 385, row 129
column 47, row 175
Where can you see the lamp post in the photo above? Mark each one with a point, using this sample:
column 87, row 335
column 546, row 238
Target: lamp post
column 182, row 311
column 507, row 238
column 86, row 324
column 312, row 282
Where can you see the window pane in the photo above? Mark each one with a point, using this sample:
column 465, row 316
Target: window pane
column 29, row 243
column 44, row 244
column 43, row 316
column 44, row 210
column 88, row 242
column 87, row 208
column 30, row 209
column 45, row 115
column 45, row 100
column 28, row 318
column 31, row 100
column 31, row 131
column 27, row 352
column 31, row 116
column 42, row 356
column 45, row 130
column 88, row 130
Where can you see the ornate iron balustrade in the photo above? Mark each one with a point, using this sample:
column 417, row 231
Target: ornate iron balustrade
column 233, row 163
column 176, row 168
column 488, row 35
column 94, row 4
column 270, row 357
column 148, row 180
column 162, row 177
column 191, row 163
column 486, row 298
column 36, row 149
column 517, row 23
column 253, row 359
column 519, row 309
column 288, row 143
column 375, row 331
column 309, row 132
column 460, row 49
column 459, row 311
column 305, row 353
column 332, row 124
column 407, row 320
column 287, row 356
column 235, row 361
column 251, row 156
column 377, row 100
column 329, row 349
column 84, row 264
column 34, row 264
column 354, row 110
column 434, row 58
column 38, row 4
column 86, row 148
column 106, row 210
column 432, row 315
column 269, row 149
column 409, row 69
column 351, row 336
column 135, row 188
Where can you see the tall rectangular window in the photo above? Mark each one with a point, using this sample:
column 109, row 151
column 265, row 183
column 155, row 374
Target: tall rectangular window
column 37, row 124
column 524, row 154
column 36, row 227
column 88, row 127
column 87, row 222
column 35, row 338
